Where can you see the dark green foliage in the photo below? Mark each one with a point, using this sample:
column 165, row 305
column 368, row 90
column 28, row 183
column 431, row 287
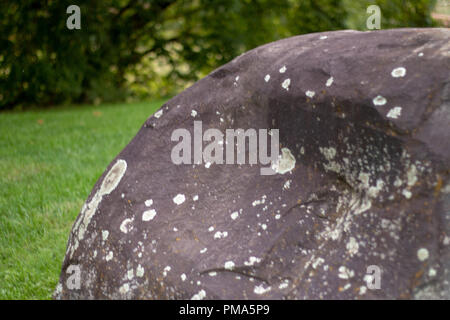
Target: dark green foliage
column 142, row 48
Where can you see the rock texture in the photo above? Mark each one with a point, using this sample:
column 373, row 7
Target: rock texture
column 366, row 115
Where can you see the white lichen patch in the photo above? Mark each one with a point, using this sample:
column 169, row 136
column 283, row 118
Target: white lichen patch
column 148, row 202
column 140, row 271
column 110, row 182
column 329, row 82
column 406, row 193
column 422, row 254
column 220, row 235
column 398, row 72
column 179, row 199
column 284, row 284
column 345, row 273
column 234, row 215
column 148, row 215
column 317, row 262
column 199, row 296
column 124, row 288
column 285, row 162
column 287, row 185
column 310, row 93
column 261, row 290
column 362, row 290
column 193, row 113
column 229, row 265
column 267, row 78
column 286, row 83
column 105, row 234
column 352, row 246
column 394, row 113
column 166, row 269
column 203, row 250
column 126, row 225
column 130, row 274
column 411, row 175
column 195, row 198
column 283, row 69
column 158, row 113
column 183, row 277
column 432, row 272
column 323, row 37
column 379, row 101
column 374, row 190
column 109, row 256
column 252, row 260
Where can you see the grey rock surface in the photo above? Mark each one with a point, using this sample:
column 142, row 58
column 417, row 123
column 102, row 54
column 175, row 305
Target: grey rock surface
column 365, row 115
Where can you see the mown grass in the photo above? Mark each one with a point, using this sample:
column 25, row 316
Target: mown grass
column 49, row 162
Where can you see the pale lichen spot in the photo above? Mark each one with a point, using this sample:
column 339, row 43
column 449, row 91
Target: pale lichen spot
column 148, row 215
column 412, row 175
column 352, row 246
column 139, row 271
column 394, row 113
column 283, row 69
column 105, row 234
column 109, row 256
column 261, row 290
column 323, row 37
column 158, row 113
column 285, row 162
column 203, row 250
column 126, row 225
column 267, row 78
column 422, row 254
column 234, row 215
column 130, row 274
column 220, row 235
column 398, row 72
column 329, row 81
column 148, row 202
column 199, row 296
column 406, row 193
column 310, row 93
column 379, row 101
column 229, row 265
column 124, row 288
column 179, row 199
column 166, row 269
column 252, row 260
column 195, row 198
column 193, row 113
column 432, row 272
column 362, row 290
column 183, row 277
column 286, row 83
column 345, row 273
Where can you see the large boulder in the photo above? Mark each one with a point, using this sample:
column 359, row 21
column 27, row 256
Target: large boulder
column 358, row 205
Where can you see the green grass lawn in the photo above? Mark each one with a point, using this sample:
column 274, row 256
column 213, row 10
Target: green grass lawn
column 49, row 162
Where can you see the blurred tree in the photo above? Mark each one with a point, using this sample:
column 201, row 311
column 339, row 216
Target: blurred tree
column 154, row 47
